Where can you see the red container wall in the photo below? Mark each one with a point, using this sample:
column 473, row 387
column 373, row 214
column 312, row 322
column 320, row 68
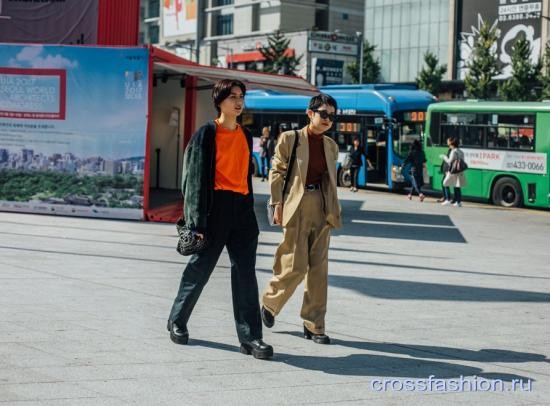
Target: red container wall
column 118, row 22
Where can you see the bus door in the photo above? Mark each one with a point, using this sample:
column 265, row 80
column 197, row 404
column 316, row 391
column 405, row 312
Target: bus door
column 408, row 126
column 375, row 136
column 344, row 131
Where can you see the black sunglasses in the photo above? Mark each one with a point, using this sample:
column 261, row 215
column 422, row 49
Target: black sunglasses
column 324, row 115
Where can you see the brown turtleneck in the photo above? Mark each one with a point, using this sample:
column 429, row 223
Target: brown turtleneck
column 317, row 161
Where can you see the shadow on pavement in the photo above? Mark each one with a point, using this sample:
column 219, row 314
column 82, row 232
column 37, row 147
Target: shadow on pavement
column 428, row 351
column 383, row 365
column 406, row 290
column 380, row 224
column 387, row 366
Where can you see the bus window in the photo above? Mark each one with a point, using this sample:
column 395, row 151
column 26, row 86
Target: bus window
column 407, row 133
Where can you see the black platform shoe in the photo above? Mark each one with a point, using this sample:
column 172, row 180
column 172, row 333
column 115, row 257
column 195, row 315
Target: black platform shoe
column 177, row 335
column 267, row 318
column 317, row 338
column 257, row 348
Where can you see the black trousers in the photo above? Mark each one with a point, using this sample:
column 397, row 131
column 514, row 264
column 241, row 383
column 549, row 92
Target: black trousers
column 354, row 172
column 232, row 224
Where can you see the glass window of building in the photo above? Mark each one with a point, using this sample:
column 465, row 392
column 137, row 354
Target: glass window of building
column 224, row 24
column 403, row 30
column 153, row 9
column 223, row 2
column 153, row 34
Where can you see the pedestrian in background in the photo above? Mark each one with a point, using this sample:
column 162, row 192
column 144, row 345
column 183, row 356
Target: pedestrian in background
column 219, row 206
column 415, row 164
column 267, row 147
column 356, row 162
column 456, row 180
column 443, row 169
column 307, row 213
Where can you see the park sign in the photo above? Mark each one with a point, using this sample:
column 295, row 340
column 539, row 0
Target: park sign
column 73, row 130
column 511, row 18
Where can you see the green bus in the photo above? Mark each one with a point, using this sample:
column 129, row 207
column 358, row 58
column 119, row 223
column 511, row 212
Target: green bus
column 506, row 146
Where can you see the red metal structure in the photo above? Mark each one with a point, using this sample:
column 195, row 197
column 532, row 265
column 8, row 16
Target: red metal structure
column 118, row 22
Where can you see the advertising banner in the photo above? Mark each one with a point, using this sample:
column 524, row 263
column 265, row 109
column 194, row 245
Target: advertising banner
column 327, row 72
column 179, row 17
column 510, row 17
column 72, row 130
column 514, row 161
column 49, row 21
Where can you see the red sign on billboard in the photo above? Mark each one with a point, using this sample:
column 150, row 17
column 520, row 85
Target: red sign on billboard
column 33, row 93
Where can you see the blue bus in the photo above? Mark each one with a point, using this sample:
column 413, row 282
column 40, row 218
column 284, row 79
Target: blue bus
column 387, row 118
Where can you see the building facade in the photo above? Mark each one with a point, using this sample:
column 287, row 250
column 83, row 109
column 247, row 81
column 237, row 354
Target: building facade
column 326, row 33
column 403, row 30
column 227, row 33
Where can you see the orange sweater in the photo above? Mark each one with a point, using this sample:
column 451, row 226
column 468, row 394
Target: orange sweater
column 232, row 159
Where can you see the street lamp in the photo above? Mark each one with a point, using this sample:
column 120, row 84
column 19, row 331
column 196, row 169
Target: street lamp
column 360, row 52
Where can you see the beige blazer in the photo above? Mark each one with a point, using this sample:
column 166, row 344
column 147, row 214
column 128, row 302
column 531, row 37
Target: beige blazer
column 295, row 188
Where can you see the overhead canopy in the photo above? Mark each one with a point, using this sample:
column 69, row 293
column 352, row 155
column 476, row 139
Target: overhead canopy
column 252, row 80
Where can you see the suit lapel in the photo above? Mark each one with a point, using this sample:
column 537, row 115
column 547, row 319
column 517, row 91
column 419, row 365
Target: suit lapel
column 331, row 165
column 302, row 154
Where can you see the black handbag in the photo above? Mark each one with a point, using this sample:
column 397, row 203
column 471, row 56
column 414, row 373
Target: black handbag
column 188, row 241
column 270, row 207
column 458, row 166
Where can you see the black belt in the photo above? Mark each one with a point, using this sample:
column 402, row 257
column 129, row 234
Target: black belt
column 311, row 188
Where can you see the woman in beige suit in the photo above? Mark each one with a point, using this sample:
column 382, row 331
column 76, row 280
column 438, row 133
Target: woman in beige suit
column 306, row 213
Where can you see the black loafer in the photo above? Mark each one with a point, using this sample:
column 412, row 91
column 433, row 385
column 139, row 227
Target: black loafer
column 177, row 335
column 317, row 338
column 267, row 318
column 257, row 348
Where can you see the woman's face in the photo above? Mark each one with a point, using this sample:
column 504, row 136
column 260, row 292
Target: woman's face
column 232, row 105
column 317, row 122
column 356, row 143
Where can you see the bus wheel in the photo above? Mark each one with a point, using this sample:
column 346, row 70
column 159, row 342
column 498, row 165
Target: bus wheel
column 507, row 193
column 344, row 178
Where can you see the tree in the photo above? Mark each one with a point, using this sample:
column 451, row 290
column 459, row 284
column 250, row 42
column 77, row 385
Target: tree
column 520, row 86
column 430, row 77
column 277, row 57
column 483, row 66
column 544, row 76
column 371, row 66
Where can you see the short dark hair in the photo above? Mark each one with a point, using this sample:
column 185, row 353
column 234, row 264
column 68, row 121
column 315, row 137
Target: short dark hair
column 320, row 99
column 453, row 141
column 222, row 90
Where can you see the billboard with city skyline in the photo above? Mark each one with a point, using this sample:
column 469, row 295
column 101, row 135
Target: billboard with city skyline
column 73, row 129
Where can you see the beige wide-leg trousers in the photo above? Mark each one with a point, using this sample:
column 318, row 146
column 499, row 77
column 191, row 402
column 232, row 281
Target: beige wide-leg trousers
column 303, row 254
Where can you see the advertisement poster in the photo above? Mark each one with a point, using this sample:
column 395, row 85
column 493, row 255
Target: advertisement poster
column 514, row 161
column 327, row 72
column 49, row 21
column 179, row 17
column 510, row 17
column 72, row 130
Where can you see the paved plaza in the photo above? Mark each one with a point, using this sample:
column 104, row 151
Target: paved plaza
column 428, row 305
